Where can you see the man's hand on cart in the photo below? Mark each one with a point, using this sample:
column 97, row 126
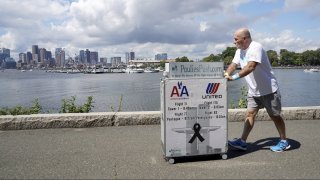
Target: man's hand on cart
column 227, row 76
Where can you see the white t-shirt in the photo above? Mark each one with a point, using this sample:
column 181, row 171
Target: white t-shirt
column 262, row 80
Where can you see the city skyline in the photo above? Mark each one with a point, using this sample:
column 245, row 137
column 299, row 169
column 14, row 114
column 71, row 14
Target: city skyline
column 127, row 55
column 41, row 57
column 179, row 28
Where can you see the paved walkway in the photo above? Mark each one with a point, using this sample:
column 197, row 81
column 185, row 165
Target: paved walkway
column 134, row 152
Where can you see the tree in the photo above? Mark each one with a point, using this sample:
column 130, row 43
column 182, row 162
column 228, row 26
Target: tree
column 162, row 63
column 273, row 57
column 212, row 58
column 183, row 59
column 311, row 57
column 228, row 54
column 297, row 60
column 286, row 57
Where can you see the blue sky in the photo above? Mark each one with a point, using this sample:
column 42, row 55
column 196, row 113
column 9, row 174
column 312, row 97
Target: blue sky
column 189, row 28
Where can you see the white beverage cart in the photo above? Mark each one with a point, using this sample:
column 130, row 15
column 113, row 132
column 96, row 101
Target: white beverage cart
column 194, row 119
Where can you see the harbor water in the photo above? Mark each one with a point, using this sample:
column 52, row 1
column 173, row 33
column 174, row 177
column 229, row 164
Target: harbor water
column 139, row 91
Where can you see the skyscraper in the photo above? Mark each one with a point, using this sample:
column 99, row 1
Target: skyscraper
column 132, row 56
column 115, row 61
column 162, row 56
column 82, row 56
column 22, row 57
column 43, row 55
column 49, row 58
column 87, row 56
column 127, row 57
column 35, row 53
column 4, row 53
column 29, row 57
column 94, row 57
column 60, row 57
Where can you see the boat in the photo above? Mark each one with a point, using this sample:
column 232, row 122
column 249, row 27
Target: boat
column 159, row 69
column 149, row 70
column 97, row 71
column 133, row 69
column 312, row 70
column 73, row 71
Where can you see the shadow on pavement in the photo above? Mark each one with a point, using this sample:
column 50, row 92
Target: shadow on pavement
column 198, row 158
column 262, row 144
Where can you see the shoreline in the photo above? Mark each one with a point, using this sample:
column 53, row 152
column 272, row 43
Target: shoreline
column 102, row 119
column 295, row 67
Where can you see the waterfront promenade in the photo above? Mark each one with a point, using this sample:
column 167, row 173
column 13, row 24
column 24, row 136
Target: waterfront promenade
column 134, row 152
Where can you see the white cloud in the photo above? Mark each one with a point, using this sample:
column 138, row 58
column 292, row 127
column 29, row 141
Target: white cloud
column 112, row 27
column 203, row 26
column 7, row 40
column 286, row 40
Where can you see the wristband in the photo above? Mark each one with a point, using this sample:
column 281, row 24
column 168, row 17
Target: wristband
column 235, row 76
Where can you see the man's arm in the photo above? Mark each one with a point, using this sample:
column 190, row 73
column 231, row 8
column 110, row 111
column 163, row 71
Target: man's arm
column 231, row 68
column 251, row 66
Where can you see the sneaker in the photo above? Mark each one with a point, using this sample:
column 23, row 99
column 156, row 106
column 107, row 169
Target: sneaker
column 281, row 146
column 238, row 144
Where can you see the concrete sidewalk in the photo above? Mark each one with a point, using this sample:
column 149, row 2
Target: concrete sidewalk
column 134, row 152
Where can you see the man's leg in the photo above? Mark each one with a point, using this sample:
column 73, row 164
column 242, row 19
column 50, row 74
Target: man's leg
column 280, row 125
column 273, row 107
column 248, row 125
column 249, row 122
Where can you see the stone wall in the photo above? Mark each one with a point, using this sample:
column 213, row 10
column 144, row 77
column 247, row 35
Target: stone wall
column 84, row 120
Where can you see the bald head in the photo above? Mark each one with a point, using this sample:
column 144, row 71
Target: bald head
column 243, row 32
column 242, row 38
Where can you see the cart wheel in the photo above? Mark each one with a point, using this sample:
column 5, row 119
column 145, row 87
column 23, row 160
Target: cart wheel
column 164, row 157
column 171, row 161
column 224, row 156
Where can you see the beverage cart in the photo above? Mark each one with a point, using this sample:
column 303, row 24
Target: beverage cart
column 193, row 110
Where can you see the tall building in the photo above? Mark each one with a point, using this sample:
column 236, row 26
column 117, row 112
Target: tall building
column 60, row 57
column 82, row 57
column 22, row 57
column 127, row 57
column 43, row 55
column 49, row 55
column 29, row 57
column 50, row 60
column 87, row 56
column 103, row 60
column 162, row 56
column 94, row 57
column 63, row 58
column 35, row 53
column 4, row 53
column 115, row 61
column 132, row 56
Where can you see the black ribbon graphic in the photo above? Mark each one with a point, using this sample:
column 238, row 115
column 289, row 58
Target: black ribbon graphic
column 196, row 128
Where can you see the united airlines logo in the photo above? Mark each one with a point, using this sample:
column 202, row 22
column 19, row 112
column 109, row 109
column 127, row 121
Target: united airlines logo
column 212, row 88
column 179, row 91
